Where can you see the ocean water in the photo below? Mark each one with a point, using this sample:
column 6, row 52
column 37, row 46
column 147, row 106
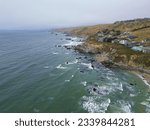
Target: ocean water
column 38, row 74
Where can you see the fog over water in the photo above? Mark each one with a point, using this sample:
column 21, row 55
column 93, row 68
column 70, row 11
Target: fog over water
column 32, row 14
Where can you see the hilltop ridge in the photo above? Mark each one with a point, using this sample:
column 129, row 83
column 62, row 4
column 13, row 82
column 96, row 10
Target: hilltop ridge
column 136, row 26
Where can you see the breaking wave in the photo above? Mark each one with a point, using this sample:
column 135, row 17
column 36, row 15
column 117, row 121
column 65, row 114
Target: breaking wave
column 95, row 104
column 60, row 67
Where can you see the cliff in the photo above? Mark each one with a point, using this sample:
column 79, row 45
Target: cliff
column 124, row 44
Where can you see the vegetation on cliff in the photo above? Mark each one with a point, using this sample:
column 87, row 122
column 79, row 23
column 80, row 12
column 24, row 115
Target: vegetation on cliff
column 117, row 54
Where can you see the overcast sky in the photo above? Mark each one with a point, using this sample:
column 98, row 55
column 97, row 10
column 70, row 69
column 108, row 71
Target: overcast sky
column 32, row 14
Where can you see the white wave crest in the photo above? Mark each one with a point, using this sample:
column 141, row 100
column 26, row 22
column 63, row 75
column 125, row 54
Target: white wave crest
column 95, row 104
column 144, row 80
column 146, row 104
column 89, row 65
column 73, row 62
column 67, row 80
column 55, row 53
column 46, row 67
column 73, row 43
column 84, row 83
column 60, row 67
column 124, row 106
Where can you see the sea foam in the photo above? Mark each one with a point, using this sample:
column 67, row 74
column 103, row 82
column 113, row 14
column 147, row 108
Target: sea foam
column 60, row 67
column 94, row 104
column 88, row 65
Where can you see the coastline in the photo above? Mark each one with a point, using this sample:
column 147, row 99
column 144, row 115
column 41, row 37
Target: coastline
column 143, row 74
column 110, row 54
column 145, row 77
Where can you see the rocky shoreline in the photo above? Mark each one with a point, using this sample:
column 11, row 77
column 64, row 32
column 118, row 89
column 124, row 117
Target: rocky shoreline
column 104, row 59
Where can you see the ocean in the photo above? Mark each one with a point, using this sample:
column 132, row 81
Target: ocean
column 39, row 74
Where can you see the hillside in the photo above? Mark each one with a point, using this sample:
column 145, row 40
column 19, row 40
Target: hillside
column 138, row 27
column 106, row 43
column 85, row 31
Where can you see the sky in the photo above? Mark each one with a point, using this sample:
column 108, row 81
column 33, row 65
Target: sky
column 45, row 14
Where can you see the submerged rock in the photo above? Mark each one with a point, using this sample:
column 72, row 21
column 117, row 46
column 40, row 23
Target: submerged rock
column 68, row 47
column 58, row 45
column 98, row 90
column 131, row 84
column 68, row 38
column 78, row 58
column 81, row 71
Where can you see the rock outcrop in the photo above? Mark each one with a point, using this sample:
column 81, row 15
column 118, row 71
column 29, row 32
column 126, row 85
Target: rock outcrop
column 116, row 36
column 111, row 44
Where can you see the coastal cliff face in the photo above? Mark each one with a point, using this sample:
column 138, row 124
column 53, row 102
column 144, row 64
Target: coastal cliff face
column 115, row 44
column 117, row 55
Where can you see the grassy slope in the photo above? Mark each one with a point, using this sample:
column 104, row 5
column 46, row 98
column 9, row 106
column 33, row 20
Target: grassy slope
column 139, row 28
column 87, row 30
column 118, row 54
